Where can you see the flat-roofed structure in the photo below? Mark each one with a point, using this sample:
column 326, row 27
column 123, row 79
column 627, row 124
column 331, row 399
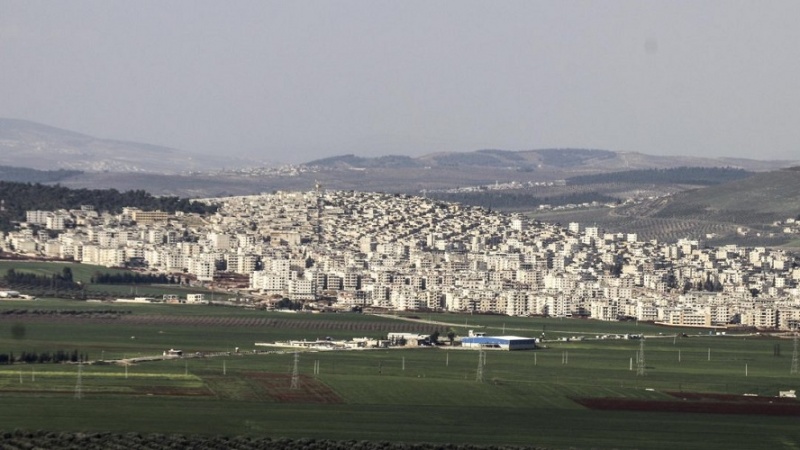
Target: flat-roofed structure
column 139, row 216
column 499, row 342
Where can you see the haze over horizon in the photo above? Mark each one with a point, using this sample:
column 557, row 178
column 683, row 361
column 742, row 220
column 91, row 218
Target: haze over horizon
column 297, row 81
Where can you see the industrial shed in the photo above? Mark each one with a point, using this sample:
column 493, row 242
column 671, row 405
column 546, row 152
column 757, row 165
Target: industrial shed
column 499, row 342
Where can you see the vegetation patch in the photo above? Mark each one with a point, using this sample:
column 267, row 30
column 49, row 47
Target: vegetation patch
column 698, row 176
column 708, row 403
column 101, row 441
column 313, row 326
column 21, row 197
column 308, row 390
column 26, row 175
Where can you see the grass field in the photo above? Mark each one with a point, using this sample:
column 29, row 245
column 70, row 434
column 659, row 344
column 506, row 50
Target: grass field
column 83, row 273
column 412, row 395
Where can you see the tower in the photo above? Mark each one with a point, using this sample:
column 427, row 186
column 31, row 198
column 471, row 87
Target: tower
column 640, row 367
column 795, row 362
column 295, row 373
column 318, row 224
column 79, row 383
column 481, row 363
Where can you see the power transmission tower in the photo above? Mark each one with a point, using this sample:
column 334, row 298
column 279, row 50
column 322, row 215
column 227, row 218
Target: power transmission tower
column 295, row 372
column 795, row 361
column 481, row 363
column 318, row 224
column 79, row 384
column 640, row 367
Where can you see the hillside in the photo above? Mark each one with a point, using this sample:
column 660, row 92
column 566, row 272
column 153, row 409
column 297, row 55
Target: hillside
column 26, row 175
column 566, row 162
column 352, row 161
column 20, row 197
column 29, row 144
column 744, row 212
column 761, row 198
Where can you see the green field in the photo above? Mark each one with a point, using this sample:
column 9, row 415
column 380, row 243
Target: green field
column 83, row 273
column 411, row 395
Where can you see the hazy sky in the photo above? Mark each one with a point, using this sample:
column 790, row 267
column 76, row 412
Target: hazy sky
column 294, row 80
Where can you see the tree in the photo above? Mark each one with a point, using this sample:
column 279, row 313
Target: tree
column 284, row 303
column 18, row 331
column 672, row 281
column 435, row 337
column 616, row 269
column 451, row 335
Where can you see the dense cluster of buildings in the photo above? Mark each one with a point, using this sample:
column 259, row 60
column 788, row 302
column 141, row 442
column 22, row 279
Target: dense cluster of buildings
column 412, row 253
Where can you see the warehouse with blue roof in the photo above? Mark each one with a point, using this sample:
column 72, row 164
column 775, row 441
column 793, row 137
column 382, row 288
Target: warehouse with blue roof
column 499, row 342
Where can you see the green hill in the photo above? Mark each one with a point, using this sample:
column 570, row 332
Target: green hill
column 756, row 200
column 714, row 214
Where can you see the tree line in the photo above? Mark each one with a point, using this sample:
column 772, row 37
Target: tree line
column 64, row 312
column 55, row 281
column 21, row 197
column 25, row 174
column 133, row 440
column 520, row 199
column 56, row 357
column 133, row 278
column 698, row 176
column 64, row 280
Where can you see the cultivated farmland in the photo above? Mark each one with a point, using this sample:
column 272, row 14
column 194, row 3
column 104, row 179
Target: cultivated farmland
column 534, row 398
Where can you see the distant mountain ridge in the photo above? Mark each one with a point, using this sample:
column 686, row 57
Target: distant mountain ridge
column 566, row 159
column 29, row 144
column 34, row 145
column 353, row 161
